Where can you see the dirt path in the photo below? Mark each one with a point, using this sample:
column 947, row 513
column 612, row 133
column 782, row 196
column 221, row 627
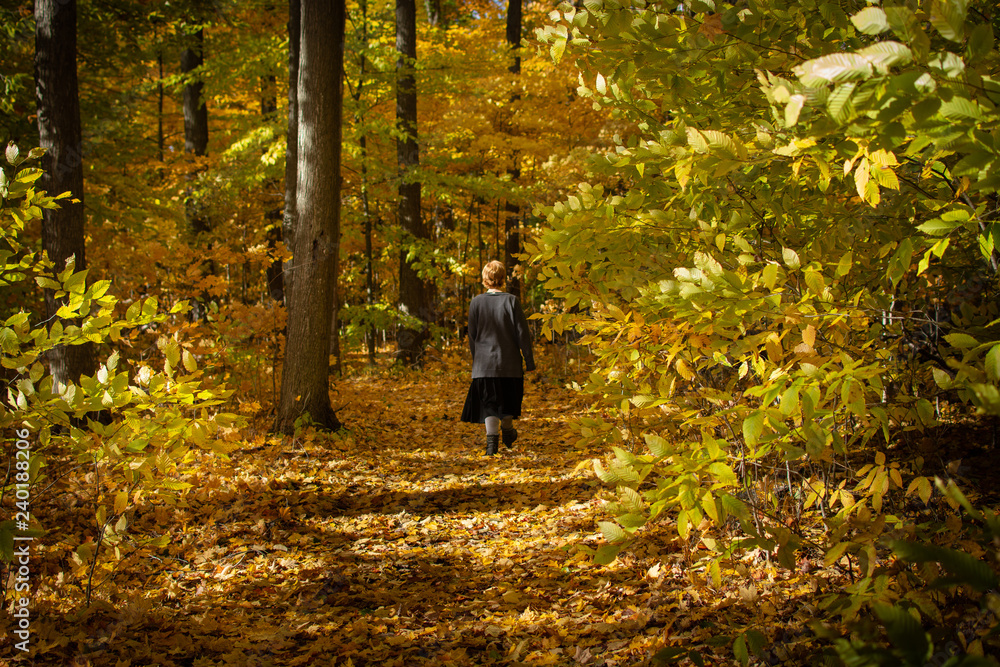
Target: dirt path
column 396, row 542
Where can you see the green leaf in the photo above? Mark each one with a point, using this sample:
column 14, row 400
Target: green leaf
column 657, row 445
column 903, row 22
column 924, row 110
column 613, row 533
column 606, row 476
column 755, row 641
column 9, row 341
column 47, row 283
column 939, row 227
column 959, row 108
column 981, row 42
column 948, row 18
column 961, row 341
column 835, row 68
column 558, row 48
column 793, row 109
column 871, row 21
column 904, row 632
column 884, row 55
column 789, row 402
column 607, row 553
column 791, row 258
column 632, row 521
column 769, row 275
column 965, row 569
column 992, row 363
column 941, row 378
column 838, row 104
column 834, row 553
column 722, row 472
column 845, row 264
column 753, row 427
column 133, row 311
column 149, row 308
column 740, row 651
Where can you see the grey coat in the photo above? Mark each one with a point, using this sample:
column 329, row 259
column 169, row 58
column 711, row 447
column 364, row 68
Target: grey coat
column 499, row 336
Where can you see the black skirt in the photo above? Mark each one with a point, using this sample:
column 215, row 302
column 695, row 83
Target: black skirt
column 493, row 397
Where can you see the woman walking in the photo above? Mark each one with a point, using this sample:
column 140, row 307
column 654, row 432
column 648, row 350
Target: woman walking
column 499, row 340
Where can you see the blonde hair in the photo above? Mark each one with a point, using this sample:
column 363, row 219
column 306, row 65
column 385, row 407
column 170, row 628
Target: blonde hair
column 494, row 275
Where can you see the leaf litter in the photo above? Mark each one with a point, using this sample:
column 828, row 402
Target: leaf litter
column 397, row 542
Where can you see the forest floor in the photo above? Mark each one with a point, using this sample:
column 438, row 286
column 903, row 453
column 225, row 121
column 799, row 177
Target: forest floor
column 396, row 541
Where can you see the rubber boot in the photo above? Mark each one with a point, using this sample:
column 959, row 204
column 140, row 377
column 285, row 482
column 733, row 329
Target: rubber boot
column 492, row 444
column 509, row 436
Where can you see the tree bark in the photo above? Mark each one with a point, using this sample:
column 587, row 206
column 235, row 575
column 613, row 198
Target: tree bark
column 305, row 377
column 195, row 108
column 512, row 239
column 292, row 140
column 159, row 105
column 514, row 34
column 434, row 12
column 59, row 133
column 415, row 295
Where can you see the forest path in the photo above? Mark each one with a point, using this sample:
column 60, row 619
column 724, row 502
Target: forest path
column 393, row 542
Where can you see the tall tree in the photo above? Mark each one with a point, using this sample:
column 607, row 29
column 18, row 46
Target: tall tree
column 434, row 12
column 195, row 109
column 512, row 240
column 195, row 139
column 292, row 140
column 514, row 14
column 305, row 376
column 58, row 103
column 415, row 294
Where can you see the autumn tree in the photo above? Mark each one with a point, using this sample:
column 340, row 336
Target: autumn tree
column 512, row 244
column 316, row 241
column 801, row 190
column 59, row 131
column 195, row 106
column 416, row 297
column 292, row 137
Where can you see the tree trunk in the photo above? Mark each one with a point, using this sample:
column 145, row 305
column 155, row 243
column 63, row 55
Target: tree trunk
column 365, row 207
column 59, row 133
column 268, row 96
column 292, row 140
column 195, row 109
column 305, row 378
column 434, row 13
column 415, row 295
column 512, row 239
column 273, row 218
column 514, row 34
column 159, row 106
column 369, row 258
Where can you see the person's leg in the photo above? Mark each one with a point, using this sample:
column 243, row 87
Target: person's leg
column 492, row 435
column 492, row 425
column 508, row 430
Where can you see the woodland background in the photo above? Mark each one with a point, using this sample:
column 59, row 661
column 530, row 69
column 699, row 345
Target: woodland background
column 758, row 242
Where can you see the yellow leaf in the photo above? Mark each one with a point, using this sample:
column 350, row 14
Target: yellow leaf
column 121, row 501
column 861, row 175
column 773, row 346
column 809, row 336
